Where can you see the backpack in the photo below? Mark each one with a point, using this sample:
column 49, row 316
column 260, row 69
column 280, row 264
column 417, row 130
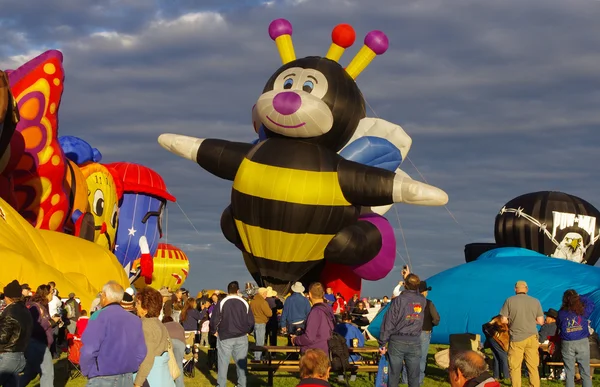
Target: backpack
column 72, row 309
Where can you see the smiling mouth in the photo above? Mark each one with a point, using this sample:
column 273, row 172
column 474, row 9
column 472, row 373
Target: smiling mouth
column 286, row 126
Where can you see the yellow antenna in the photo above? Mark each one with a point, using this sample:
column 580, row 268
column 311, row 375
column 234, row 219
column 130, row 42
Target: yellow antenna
column 376, row 43
column 280, row 30
column 342, row 37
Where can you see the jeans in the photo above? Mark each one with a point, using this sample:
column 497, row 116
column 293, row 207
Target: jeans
column 577, row 351
column 259, row 337
column 238, row 348
column 179, row 351
column 501, row 370
column 425, row 340
column 528, row 349
column 123, row 380
column 406, row 352
column 11, row 363
column 39, row 362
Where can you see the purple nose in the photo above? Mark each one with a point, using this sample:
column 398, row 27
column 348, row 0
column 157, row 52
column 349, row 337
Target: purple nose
column 287, row 102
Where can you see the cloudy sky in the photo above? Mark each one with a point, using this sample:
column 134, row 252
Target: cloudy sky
column 500, row 99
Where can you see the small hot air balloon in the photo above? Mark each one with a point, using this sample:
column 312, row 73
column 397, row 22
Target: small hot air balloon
column 171, row 267
column 552, row 223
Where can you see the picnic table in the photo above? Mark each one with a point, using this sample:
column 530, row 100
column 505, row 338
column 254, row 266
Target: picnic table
column 272, row 363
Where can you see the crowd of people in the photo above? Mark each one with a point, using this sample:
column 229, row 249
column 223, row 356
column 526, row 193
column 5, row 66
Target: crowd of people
column 148, row 330
column 565, row 336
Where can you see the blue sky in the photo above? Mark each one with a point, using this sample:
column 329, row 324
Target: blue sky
column 500, row 99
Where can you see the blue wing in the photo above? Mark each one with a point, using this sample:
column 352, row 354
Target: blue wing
column 373, row 151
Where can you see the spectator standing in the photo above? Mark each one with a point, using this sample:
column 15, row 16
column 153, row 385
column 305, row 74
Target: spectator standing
column 155, row 367
column 329, row 297
column 523, row 313
column 112, row 364
column 549, row 329
column 190, row 316
column 262, row 312
column 273, row 324
column 295, row 311
column 16, row 325
column 319, row 323
column 39, row 358
column 73, row 312
column 401, row 331
column 177, row 335
column 231, row 322
column 431, row 318
column 574, row 334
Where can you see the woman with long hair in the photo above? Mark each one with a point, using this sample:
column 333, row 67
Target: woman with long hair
column 574, row 333
column 39, row 358
column 190, row 316
column 155, row 367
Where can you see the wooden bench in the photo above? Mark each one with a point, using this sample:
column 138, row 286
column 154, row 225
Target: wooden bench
column 271, row 364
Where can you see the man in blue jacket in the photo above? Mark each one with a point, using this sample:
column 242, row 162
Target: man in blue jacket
column 401, row 331
column 113, row 342
column 231, row 321
column 295, row 311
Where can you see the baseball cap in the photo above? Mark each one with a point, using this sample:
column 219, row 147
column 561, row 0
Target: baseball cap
column 423, row 287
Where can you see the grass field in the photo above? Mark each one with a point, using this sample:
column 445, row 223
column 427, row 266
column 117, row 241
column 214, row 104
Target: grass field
column 204, row 378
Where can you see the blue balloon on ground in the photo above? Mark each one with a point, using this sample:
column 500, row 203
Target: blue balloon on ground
column 469, row 295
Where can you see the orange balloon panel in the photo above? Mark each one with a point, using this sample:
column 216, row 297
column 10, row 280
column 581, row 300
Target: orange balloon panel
column 40, row 173
column 171, row 267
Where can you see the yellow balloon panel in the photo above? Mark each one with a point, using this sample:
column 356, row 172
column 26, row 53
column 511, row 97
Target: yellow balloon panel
column 37, row 257
column 171, row 267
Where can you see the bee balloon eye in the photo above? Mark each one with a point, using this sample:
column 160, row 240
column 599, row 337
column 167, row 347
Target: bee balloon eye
column 308, row 86
column 288, row 83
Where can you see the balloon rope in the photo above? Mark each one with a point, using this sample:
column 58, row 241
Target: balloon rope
column 403, row 237
column 425, row 180
column 188, row 219
column 167, row 224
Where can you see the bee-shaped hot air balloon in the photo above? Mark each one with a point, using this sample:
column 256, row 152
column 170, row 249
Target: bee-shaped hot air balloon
column 295, row 201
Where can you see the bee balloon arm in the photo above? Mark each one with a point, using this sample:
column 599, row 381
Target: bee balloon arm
column 220, row 157
column 369, row 186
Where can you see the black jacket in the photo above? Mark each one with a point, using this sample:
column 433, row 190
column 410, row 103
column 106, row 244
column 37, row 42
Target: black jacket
column 431, row 318
column 231, row 318
column 15, row 328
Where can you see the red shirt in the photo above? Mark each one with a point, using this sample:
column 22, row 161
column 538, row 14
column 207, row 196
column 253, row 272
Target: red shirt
column 82, row 323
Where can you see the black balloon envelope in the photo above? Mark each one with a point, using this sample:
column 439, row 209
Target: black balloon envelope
column 552, row 223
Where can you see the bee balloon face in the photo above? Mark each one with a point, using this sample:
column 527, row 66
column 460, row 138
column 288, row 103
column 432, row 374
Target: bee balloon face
column 311, row 98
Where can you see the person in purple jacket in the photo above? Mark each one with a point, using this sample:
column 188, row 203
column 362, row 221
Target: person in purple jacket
column 574, row 333
column 113, row 342
column 319, row 323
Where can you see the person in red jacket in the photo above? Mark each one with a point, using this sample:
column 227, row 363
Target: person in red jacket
column 314, row 369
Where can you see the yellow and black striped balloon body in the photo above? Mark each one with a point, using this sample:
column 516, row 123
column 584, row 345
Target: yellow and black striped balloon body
column 287, row 205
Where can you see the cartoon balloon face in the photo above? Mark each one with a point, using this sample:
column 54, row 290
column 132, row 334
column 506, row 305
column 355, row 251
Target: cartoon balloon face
column 103, row 196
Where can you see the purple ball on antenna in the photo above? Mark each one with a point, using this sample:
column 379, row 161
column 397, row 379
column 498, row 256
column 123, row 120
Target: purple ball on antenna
column 377, row 41
column 280, row 27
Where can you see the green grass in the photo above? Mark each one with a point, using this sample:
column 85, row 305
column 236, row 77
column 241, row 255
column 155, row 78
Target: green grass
column 204, row 378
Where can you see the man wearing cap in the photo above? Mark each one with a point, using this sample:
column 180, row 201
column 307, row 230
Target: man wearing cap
column 549, row 328
column 73, row 312
column 262, row 312
column 431, row 318
column 295, row 310
column 16, row 325
column 523, row 313
column 401, row 331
